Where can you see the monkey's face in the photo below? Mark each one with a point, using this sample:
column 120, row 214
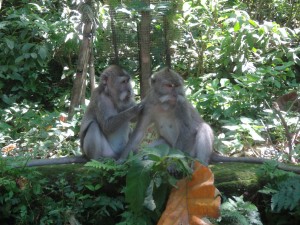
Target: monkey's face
column 121, row 91
column 168, row 86
column 125, row 89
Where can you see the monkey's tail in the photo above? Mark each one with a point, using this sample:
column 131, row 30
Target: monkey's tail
column 215, row 158
column 57, row 161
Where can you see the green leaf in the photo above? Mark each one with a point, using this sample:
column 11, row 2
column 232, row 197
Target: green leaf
column 33, row 55
column 137, row 183
column 231, row 127
column 43, row 52
column 246, row 120
column 149, row 202
column 3, row 25
column 237, row 26
column 93, row 187
column 10, row 44
column 253, row 23
column 284, row 66
column 277, row 83
column 26, row 47
column 255, row 136
column 17, row 76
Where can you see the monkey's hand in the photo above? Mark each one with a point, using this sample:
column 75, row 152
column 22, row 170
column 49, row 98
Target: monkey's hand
column 120, row 161
column 140, row 106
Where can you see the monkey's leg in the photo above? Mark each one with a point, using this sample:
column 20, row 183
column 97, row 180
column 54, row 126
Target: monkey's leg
column 203, row 146
column 95, row 144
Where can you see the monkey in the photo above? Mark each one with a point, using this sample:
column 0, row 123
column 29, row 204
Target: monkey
column 178, row 123
column 104, row 130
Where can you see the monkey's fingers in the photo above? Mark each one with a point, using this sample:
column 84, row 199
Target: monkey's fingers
column 121, row 160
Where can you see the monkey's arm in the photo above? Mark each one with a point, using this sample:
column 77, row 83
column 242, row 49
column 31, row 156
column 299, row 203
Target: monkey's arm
column 137, row 135
column 57, row 161
column 110, row 121
column 215, row 158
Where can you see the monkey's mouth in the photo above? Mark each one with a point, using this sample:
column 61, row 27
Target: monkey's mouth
column 172, row 100
column 125, row 96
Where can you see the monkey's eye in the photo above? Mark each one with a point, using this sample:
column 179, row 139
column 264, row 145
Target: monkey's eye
column 125, row 81
column 169, row 85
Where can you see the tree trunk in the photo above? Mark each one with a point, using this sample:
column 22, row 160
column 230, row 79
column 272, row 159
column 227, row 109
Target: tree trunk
column 167, row 42
column 145, row 60
column 92, row 67
column 78, row 87
column 112, row 13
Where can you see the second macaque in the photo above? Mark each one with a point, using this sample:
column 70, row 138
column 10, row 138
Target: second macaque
column 178, row 123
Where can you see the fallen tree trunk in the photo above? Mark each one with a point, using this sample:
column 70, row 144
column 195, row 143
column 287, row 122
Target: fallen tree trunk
column 230, row 178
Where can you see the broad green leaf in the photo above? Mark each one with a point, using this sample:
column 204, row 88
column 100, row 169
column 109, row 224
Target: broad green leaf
column 186, row 6
column 149, row 202
column 33, row 55
column 253, row 23
column 246, row 120
column 3, row 25
column 231, row 127
column 284, row 66
column 17, row 76
column 237, row 26
column 215, row 83
column 224, row 82
column 19, row 59
column 26, row 47
column 10, row 44
column 93, row 187
column 137, row 182
column 43, row 52
column 277, row 83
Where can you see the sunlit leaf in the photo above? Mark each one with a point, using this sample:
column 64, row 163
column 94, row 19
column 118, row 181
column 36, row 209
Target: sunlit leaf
column 255, row 136
column 193, row 200
column 253, row 23
column 237, row 26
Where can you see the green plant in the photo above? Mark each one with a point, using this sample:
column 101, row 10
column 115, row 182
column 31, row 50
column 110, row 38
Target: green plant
column 38, row 133
column 283, row 191
column 29, row 198
column 148, row 182
column 236, row 211
column 29, row 39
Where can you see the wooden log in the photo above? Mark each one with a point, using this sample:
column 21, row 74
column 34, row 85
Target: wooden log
column 230, row 178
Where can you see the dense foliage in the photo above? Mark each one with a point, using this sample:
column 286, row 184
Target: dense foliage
column 237, row 58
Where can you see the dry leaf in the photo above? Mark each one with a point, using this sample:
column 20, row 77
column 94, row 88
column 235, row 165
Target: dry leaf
column 22, row 182
column 63, row 118
column 193, row 200
column 8, row 148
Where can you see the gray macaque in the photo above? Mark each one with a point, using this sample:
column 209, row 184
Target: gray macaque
column 104, row 130
column 178, row 123
column 176, row 120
